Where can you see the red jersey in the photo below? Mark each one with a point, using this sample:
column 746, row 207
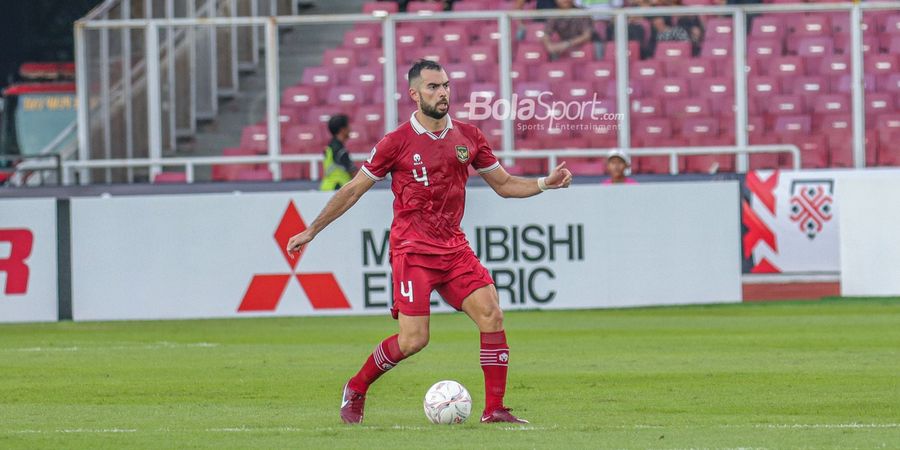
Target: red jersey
column 429, row 173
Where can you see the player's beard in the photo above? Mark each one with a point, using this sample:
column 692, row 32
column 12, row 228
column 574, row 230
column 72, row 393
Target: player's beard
column 432, row 111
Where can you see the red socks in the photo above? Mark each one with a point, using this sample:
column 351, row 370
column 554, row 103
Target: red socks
column 494, row 363
column 387, row 354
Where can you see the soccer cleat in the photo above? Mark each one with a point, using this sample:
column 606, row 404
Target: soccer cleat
column 501, row 415
column 352, row 405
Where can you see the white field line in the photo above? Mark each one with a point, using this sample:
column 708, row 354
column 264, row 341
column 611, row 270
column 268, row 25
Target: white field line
column 78, row 430
column 432, row 427
column 154, row 346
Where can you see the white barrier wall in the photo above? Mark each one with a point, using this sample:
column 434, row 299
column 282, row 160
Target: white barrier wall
column 870, row 241
column 28, row 273
column 192, row 256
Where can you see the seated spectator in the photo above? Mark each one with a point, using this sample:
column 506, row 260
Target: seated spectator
column 541, row 4
column 616, row 163
column 682, row 28
column 571, row 32
column 447, row 4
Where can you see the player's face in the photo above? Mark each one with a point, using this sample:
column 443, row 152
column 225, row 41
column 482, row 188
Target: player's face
column 615, row 167
column 432, row 93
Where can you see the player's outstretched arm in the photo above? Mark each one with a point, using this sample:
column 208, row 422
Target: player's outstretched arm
column 508, row 186
column 342, row 200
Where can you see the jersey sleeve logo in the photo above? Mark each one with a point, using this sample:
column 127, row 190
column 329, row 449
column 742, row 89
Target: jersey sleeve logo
column 372, row 155
column 462, row 153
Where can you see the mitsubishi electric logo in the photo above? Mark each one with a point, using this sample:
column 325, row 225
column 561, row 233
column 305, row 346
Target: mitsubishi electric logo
column 265, row 290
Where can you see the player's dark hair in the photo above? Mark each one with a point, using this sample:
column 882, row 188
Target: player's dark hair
column 423, row 64
column 337, row 123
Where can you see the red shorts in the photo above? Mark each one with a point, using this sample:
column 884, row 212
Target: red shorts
column 454, row 276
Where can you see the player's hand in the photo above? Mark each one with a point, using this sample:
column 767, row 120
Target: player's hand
column 559, row 177
column 297, row 242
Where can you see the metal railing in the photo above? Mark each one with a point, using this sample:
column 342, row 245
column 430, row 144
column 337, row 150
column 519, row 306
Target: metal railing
column 552, row 156
column 151, row 29
column 26, row 167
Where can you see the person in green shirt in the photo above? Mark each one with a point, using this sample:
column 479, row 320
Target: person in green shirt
column 337, row 165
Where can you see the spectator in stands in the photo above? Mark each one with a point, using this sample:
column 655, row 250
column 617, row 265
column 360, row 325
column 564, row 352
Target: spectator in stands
column 338, row 167
column 540, row 4
column 616, row 163
column 682, row 28
column 571, row 32
column 447, row 4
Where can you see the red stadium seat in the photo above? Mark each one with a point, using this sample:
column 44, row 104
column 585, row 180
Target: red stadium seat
column 371, row 117
column 768, row 26
column 671, row 88
column 489, row 35
column 304, row 139
column 362, row 39
column 649, row 69
column 581, row 54
column 381, row 8
column 831, row 104
column 228, row 172
column 452, row 35
column 577, row 90
column 813, row 150
column 321, row 78
column 341, row 60
column 815, row 46
column 787, row 66
column 424, row 8
column 300, row 96
column 321, row 114
column 690, row 68
column 256, row 138
column 557, row 71
column 782, row 105
column 764, row 49
column 346, row 96
column 672, row 50
column 881, row 64
column 600, row 73
column 646, row 108
column 410, row 37
column 718, row 91
column 797, row 124
column 879, row 103
column 366, row 77
column 654, row 129
column 810, row 25
column 531, row 53
column 716, row 49
column 809, row 88
column 534, row 32
column 719, row 29
column 763, row 87
column 700, row 129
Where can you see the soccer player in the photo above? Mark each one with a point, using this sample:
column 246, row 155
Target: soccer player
column 428, row 159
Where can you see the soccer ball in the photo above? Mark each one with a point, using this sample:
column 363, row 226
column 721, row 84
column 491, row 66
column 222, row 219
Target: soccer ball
column 447, row 402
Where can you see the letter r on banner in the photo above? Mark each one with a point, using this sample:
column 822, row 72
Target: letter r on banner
column 14, row 265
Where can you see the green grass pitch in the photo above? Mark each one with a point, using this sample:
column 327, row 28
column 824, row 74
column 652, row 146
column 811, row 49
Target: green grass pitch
column 786, row 375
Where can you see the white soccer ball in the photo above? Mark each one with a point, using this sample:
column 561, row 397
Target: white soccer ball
column 447, row 402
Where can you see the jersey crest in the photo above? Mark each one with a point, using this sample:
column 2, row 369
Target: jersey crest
column 462, row 153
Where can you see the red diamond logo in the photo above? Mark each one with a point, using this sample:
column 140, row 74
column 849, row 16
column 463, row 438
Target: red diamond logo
column 266, row 290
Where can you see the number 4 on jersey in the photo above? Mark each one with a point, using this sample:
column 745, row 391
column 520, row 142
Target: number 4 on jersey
column 423, row 178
